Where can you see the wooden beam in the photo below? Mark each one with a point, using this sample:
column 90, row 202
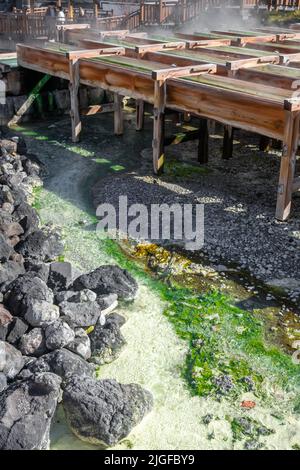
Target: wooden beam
column 28, row 102
column 118, row 114
column 97, row 108
column 163, row 74
column 140, row 114
column 203, row 141
column 287, row 167
column 158, row 126
column 253, row 62
column 74, row 88
column 159, row 47
column 92, row 53
column 208, row 43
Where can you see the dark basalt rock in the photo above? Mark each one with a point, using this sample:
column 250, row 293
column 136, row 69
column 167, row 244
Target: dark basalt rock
column 104, row 411
column 3, row 382
column 82, row 314
column 40, row 270
column 26, row 411
column 107, row 341
column 23, row 290
column 41, row 313
column 16, row 330
column 62, row 362
column 5, row 249
column 11, row 360
column 10, row 270
column 58, row 335
column 81, row 344
column 5, row 321
column 33, row 343
column 41, row 246
column 60, row 276
column 27, row 217
column 108, row 280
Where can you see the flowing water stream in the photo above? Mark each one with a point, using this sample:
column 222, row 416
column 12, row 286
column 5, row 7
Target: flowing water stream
column 161, row 352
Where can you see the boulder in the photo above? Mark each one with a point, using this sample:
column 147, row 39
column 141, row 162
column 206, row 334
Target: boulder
column 58, row 335
column 11, row 360
column 62, row 362
column 5, row 249
column 104, row 411
column 16, row 330
column 26, row 410
column 24, row 290
column 40, row 312
column 27, row 217
column 3, row 381
column 40, row 270
column 108, row 280
column 5, row 320
column 41, row 245
column 81, row 344
column 107, row 303
column 60, row 276
column 82, row 314
column 33, row 343
column 84, row 295
column 107, row 341
column 10, row 270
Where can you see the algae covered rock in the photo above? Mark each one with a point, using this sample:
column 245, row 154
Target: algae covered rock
column 104, row 411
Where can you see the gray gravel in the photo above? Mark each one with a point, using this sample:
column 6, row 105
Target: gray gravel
column 239, row 196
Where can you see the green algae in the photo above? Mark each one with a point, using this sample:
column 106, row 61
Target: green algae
column 175, row 169
column 226, row 344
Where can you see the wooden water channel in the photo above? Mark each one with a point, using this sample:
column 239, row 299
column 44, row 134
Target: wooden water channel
column 243, row 80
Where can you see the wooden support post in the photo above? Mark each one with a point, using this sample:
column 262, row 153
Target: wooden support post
column 203, row 141
column 158, row 125
column 227, row 143
column 287, row 167
column 140, row 115
column 74, row 88
column 118, row 114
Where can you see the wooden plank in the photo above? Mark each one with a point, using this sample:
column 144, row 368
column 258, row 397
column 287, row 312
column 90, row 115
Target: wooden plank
column 158, row 126
column 29, row 101
column 287, row 167
column 93, row 53
column 174, row 72
column 97, row 108
column 159, row 47
column 244, row 63
column 118, row 114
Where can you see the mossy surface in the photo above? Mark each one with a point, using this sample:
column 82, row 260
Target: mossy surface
column 228, row 354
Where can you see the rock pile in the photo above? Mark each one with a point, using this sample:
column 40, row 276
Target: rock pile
column 56, row 327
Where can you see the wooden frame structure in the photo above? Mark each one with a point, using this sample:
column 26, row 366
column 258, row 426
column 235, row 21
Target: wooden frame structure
column 242, row 80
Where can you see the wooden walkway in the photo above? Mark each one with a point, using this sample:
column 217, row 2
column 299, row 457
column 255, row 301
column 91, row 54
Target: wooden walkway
column 243, row 80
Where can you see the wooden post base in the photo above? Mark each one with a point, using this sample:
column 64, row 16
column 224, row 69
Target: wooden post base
column 140, row 115
column 286, row 184
column 118, row 114
column 203, row 141
column 228, row 143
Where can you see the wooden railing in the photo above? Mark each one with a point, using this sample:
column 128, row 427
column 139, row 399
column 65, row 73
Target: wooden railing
column 18, row 26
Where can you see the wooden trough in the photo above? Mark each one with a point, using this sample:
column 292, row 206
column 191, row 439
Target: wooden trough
column 221, row 76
